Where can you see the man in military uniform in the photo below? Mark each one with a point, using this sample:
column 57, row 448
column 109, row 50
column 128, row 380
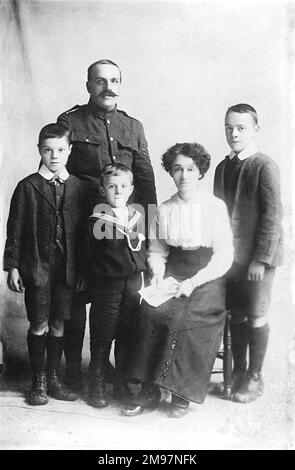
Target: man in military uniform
column 102, row 134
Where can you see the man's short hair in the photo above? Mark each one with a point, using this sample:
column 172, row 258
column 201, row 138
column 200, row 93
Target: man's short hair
column 115, row 169
column 243, row 108
column 195, row 151
column 52, row 131
column 99, row 62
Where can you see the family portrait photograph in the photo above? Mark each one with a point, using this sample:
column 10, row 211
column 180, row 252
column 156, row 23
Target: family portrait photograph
column 147, row 228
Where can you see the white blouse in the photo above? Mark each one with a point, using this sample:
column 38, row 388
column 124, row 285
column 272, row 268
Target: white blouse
column 202, row 221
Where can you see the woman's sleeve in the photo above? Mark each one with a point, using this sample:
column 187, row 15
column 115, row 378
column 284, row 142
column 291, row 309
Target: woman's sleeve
column 158, row 248
column 222, row 244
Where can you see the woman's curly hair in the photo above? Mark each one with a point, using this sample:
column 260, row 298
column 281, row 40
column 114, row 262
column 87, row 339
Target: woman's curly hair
column 192, row 150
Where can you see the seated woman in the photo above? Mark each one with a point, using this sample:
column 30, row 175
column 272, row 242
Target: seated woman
column 174, row 345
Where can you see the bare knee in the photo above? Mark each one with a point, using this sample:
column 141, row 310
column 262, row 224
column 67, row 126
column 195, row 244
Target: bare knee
column 257, row 322
column 38, row 328
column 56, row 327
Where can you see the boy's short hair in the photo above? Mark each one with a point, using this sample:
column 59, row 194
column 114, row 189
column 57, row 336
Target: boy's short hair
column 115, row 169
column 52, row 131
column 243, row 108
column 101, row 62
column 192, row 150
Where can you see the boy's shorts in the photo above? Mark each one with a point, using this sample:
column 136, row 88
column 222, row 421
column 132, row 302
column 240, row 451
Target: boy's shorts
column 248, row 299
column 54, row 300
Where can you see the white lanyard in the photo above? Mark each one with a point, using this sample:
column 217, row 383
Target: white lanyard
column 122, row 228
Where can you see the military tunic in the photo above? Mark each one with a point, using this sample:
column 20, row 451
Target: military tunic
column 100, row 138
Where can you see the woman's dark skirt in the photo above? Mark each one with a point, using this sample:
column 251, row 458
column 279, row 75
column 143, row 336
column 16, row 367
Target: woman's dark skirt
column 175, row 345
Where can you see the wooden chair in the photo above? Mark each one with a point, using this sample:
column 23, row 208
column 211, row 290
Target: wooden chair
column 225, row 354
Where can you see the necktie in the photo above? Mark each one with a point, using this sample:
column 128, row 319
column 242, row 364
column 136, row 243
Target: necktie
column 56, row 181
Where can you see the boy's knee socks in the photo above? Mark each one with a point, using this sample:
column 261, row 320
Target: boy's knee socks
column 54, row 346
column 36, row 348
column 239, row 337
column 258, row 340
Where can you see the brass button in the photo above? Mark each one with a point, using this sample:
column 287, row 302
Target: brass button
column 173, row 346
column 111, row 139
column 87, row 140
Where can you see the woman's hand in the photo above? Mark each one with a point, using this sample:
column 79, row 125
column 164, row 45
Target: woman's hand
column 14, row 281
column 185, row 289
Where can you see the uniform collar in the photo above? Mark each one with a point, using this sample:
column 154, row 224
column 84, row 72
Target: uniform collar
column 48, row 175
column 247, row 152
column 101, row 111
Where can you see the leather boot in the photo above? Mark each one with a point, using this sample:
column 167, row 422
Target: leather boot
column 97, row 396
column 239, row 337
column 36, row 347
column 37, row 394
column 237, row 379
column 148, row 399
column 251, row 389
column 178, row 408
column 98, row 367
column 55, row 388
column 253, row 385
column 122, row 392
column 73, row 378
column 110, row 373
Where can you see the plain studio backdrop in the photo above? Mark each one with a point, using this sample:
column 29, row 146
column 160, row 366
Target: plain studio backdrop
column 183, row 63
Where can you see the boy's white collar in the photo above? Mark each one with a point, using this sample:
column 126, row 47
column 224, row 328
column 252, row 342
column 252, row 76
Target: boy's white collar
column 119, row 211
column 48, row 175
column 122, row 214
column 247, row 152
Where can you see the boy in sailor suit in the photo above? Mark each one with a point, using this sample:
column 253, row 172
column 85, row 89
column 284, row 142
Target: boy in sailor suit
column 115, row 263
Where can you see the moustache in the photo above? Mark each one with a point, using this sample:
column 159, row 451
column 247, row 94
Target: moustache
column 108, row 93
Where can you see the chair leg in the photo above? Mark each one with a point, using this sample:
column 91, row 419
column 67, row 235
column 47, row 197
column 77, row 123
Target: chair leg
column 227, row 359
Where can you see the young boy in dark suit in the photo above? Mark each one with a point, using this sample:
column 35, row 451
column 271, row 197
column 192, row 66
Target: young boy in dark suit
column 115, row 264
column 41, row 257
column 249, row 183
